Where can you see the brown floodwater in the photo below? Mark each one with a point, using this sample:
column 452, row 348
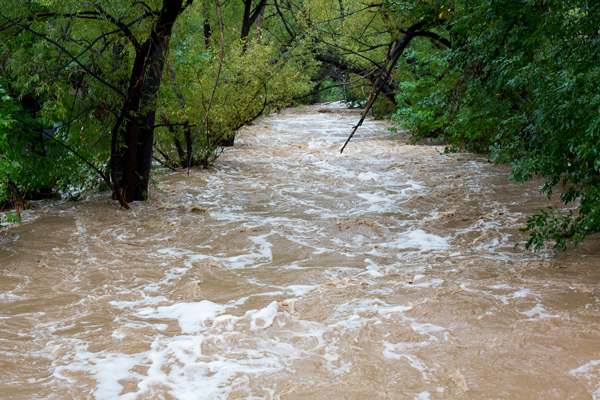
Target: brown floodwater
column 289, row 271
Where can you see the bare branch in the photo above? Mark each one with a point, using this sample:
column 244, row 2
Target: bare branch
column 398, row 50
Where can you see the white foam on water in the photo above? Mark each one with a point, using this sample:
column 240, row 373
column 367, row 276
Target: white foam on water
column 329, row 169
column 540, row 311
column 414, row 185
column 335, row 105
column 192, row 317
column 368, row 176
column 418, row 239
column 10, row 297
column 144, row 301
column 260, row 255
column 372, row 273
column 127, row 329
column 417, row 364
column 591, row 373
column 423, row 396
column 502, row 286
column 430, row 283
column 106, row 368
column 176, row 366
column 374, row 198
column 263, row 319
column 179, row 365
column 300, row 290
column 505, row 299
column 427, row 329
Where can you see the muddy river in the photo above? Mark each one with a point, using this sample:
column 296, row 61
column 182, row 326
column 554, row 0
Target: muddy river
column 289, row 271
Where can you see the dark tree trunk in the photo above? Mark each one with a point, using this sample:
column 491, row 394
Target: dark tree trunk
column 133, row 137
column 250, row 15
column 125, row 162
column 180, row 152
column 147, row 119
column 189, row 144
column 187, row 129
column 207, row 33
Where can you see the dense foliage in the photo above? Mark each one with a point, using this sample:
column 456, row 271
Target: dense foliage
column 111, row 87
column 97, row 93
column 521, row 82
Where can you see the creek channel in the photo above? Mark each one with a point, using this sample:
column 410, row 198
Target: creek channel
column 289, row 271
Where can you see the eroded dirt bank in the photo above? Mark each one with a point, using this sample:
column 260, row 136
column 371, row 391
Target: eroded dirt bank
column 292, row 272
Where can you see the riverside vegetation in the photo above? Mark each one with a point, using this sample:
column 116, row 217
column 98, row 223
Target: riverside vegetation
column 99, row 94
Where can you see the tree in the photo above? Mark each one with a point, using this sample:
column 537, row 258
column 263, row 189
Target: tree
column 111, row 81
column 260, row 73
column 119, row 53
column 521, row 84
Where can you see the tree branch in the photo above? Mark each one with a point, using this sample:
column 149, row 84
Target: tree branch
column 212, row 96
column 75, row 59
column 398, row 50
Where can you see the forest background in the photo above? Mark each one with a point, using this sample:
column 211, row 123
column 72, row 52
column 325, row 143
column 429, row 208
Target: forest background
column 99, row 94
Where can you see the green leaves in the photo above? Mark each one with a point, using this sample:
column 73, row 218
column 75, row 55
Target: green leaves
column 521, row 84
column 13, row 218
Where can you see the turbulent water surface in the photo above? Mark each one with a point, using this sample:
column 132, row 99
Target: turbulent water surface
column 290, row 271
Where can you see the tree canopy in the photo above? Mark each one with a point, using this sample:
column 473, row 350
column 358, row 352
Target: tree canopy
column 520, row 82
column 95, row 94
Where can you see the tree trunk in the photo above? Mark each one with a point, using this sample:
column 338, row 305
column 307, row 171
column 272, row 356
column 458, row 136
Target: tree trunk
column 250, row 17
column 187, row 130
column 147, row 119
column 189, row 144
column 131, row 157
column 207, row 32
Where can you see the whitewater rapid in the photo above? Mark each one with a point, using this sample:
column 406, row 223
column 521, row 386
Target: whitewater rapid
column 291, row 271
